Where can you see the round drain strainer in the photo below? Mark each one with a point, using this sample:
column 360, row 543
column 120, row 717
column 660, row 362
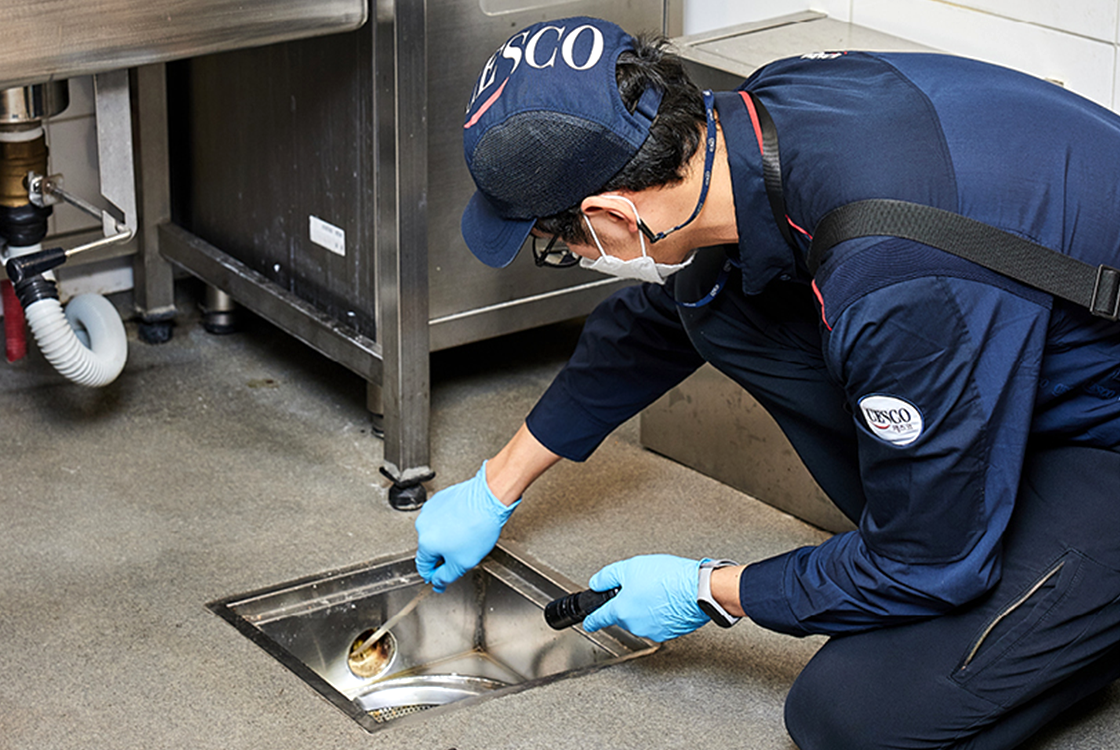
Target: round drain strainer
column 399, row 697
column 383, row 715
column 374, row 660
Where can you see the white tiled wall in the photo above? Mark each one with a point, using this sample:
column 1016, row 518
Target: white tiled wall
column 1085, row 64
column 1076, row 42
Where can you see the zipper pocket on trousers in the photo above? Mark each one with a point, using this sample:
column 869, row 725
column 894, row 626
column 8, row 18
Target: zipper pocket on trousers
column 1006, row 612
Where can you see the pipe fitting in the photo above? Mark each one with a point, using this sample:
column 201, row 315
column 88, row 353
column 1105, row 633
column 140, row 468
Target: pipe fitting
column 24, row 226
column 40, row 101
column 26, row 266
column 17, row 159
column 21, row 222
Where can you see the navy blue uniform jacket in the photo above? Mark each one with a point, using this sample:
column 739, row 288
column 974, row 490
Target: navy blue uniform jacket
column 948, row 369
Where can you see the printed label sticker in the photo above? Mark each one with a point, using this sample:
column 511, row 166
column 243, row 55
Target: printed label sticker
column 328, row 235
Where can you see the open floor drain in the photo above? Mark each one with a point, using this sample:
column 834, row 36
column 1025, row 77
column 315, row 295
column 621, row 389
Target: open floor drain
column 484, row 637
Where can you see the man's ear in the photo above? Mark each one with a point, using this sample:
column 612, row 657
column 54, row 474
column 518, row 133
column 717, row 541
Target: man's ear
column 612, row 207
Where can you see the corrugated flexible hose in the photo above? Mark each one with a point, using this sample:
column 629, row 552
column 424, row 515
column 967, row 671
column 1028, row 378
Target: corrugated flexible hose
column 86, row 344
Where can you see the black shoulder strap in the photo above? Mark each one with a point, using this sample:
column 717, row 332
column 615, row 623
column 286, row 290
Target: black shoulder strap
column 1095, row 288
column 772, row 169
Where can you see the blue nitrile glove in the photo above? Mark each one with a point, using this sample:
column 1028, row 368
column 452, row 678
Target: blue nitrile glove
column 457, row 528
column 657, row 600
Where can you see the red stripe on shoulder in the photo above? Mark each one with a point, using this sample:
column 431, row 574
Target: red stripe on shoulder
column 754, row 118
column 820, row 299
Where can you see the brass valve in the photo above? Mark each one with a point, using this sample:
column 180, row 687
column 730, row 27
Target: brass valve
column 17, row 159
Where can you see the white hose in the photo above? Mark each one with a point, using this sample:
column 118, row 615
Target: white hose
column 86, row 344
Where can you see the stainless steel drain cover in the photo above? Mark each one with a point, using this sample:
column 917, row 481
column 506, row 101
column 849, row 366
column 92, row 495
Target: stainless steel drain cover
column 385, row 715
column 485, row 636
column 399, row 697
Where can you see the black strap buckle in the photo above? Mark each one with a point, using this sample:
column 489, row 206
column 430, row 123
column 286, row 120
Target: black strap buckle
column 1106, row 294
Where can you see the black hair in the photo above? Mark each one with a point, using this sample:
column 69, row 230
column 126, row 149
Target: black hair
column 674, row 136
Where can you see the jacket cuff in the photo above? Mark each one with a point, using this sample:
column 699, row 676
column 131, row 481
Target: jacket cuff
column 763, row 596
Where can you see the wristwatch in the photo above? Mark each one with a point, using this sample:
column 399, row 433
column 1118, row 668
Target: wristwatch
column 704, row 597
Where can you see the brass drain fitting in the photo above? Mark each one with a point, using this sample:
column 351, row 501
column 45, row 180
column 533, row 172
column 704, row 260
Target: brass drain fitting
column 372, row 661
column 22, row 223
column 17, row 158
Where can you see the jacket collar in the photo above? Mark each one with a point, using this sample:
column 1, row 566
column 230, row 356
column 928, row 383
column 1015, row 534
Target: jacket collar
column 763, row 253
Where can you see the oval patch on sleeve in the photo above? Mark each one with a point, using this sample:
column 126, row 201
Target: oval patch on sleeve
column 892, row 420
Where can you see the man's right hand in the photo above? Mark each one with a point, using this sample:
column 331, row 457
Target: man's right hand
column 456, row 528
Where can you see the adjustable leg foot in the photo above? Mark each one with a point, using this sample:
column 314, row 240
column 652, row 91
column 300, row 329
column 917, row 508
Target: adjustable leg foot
column 156, row 330
column 407, row 498
column 218, row 313
column 408, row 493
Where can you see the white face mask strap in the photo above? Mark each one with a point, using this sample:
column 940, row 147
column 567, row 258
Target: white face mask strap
column 641, row 236
column 594, row 236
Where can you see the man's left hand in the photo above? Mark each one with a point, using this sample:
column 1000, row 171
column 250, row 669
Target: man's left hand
column 657, row 599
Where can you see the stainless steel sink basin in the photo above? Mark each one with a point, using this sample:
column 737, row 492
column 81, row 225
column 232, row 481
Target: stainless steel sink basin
column 482, row 638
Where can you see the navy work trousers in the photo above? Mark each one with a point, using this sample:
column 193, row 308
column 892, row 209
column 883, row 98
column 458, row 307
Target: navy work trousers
column 990, row 674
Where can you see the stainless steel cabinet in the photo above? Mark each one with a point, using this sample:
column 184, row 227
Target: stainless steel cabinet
column 50, row 40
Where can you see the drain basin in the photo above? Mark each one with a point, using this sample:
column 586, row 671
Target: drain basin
column 485, row 636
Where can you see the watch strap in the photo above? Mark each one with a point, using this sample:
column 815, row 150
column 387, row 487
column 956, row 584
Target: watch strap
column 704, row 599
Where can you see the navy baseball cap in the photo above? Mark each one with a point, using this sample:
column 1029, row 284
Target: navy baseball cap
column 545, row 128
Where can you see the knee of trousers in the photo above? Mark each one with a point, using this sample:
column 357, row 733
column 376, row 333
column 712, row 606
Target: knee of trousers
column 810, row 715
column 831, row 707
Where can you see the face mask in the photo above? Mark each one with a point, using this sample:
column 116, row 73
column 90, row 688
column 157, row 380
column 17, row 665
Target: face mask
column 640, row 269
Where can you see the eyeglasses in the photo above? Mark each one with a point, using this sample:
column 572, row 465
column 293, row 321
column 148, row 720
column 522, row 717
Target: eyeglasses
column 552, row 256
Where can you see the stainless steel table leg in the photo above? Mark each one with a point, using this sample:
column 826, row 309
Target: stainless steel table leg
column 154, row 286
column 402, row 244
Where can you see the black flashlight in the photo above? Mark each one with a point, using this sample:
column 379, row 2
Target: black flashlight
column 571, row 609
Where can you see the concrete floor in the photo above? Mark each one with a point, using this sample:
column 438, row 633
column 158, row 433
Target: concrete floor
column 218, row 465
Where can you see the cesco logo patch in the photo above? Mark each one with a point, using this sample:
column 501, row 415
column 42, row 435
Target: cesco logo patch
column 892, row 420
